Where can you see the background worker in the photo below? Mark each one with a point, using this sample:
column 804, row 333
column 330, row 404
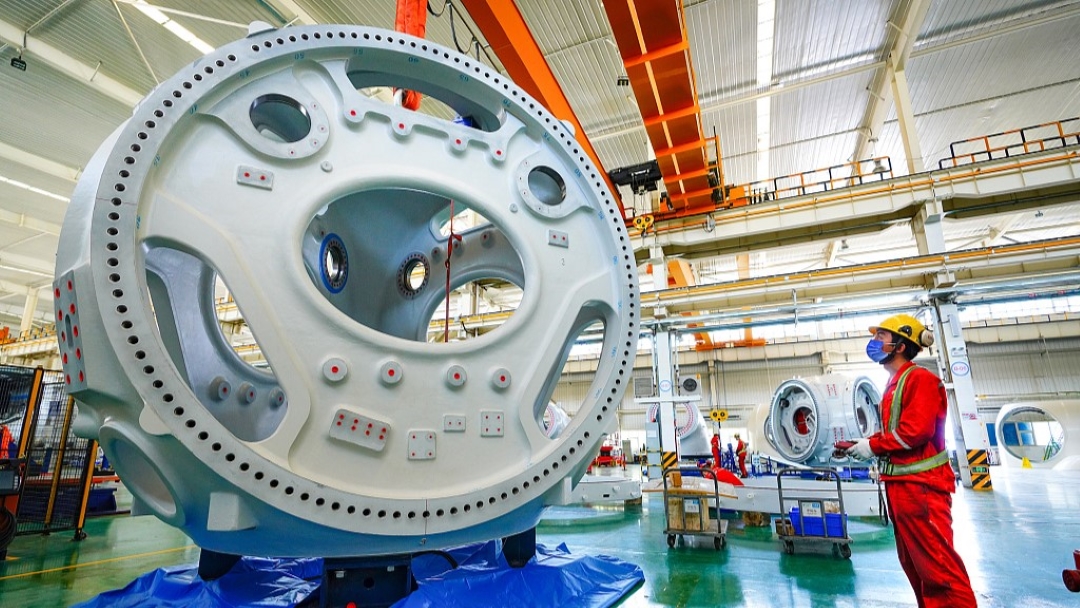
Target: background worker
column 740, row 453
column 919, row 481
column 715, row 444
column 7, row 442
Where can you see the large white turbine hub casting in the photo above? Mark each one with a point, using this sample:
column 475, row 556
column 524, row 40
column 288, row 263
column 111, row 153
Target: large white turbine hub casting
column 320, row 209
column 809, row 415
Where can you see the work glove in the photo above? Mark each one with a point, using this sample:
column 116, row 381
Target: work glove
column 861, row 450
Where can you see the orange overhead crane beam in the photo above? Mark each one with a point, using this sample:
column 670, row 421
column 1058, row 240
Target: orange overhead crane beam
column 651, row 37
column 505, row 30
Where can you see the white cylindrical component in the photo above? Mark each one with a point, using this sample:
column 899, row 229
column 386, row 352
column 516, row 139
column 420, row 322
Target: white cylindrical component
column 809, row 415
column 1039, row 431
column 555, row 420
column 690, row 429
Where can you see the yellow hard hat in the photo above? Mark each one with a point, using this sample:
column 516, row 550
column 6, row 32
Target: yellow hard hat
column 908, row 327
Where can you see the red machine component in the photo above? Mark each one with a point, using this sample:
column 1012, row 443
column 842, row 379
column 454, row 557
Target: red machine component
column 1072, row 577
column 608, row 457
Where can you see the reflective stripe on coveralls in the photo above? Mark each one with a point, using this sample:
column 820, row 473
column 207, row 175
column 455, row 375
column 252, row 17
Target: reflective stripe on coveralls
column 888, row 468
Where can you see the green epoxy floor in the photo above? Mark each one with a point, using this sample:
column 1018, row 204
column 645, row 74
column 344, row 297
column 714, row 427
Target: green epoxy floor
column 1015, row 541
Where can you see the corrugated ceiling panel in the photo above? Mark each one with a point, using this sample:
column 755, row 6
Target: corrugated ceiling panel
column 937, row 129
column 381, row 13
column 52, row 116
column 817, row 35
column 829, row 108
column 1032, row 57
column 24, row 13
column 359, row 12
column 36, row 246
column 91, row 32
column 10, row 233
column 565, row 24
column 738, row 140
column 33, row 177
column 237, row 12
column 576, row 40
column 723, row 46
column 20, row 200
column 588, row 79
column 958, row 19
column 816, row 153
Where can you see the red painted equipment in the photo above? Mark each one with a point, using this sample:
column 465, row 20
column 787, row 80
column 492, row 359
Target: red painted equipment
column 411, row 19
column 1072, row 577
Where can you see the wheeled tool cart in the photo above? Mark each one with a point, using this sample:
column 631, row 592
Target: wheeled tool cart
column 812, row 518
column 686, row 507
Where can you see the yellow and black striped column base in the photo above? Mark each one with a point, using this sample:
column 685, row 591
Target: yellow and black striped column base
column 668, row 460
column 980, row 470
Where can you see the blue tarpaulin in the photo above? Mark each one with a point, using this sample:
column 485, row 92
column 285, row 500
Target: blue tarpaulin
column 253, row 581
column 553, row 578
column 483, row 578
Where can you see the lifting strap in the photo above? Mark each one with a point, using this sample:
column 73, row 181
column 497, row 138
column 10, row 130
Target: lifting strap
column 888, row 468
column 411, row 19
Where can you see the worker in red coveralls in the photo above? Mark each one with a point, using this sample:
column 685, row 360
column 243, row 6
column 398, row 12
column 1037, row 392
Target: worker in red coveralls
column 914, row 465
column 740, row 452
column 6, row 442
column 715, row 443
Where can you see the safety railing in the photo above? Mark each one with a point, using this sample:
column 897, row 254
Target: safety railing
column 820, row 180
column 1035, row 138
column 37, row 332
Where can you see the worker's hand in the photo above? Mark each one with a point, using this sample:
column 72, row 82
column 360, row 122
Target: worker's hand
column 861, row 450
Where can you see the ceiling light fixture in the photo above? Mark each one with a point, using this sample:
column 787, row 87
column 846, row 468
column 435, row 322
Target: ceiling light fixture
column 18, row 62
column 25, row 270
column 35, row 190
column 177, row 30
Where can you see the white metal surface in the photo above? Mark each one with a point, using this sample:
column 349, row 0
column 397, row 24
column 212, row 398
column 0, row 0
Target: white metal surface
column 262, row 165
column 597, row 488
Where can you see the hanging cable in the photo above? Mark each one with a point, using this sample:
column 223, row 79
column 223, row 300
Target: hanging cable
column 474, row 40
column 449, row 254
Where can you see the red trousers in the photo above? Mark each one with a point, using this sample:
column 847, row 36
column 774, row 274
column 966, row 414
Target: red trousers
column 742, row 464
column 922, row 517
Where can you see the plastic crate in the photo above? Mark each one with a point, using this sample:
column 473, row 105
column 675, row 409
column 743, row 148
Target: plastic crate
column 9, row 476
column 831, row 526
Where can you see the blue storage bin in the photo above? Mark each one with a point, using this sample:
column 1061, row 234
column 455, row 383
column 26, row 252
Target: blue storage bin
column 832, row 526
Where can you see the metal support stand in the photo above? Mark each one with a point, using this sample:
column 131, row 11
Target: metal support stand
column 214, row 565
column 520, row 548
column 367, row 582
